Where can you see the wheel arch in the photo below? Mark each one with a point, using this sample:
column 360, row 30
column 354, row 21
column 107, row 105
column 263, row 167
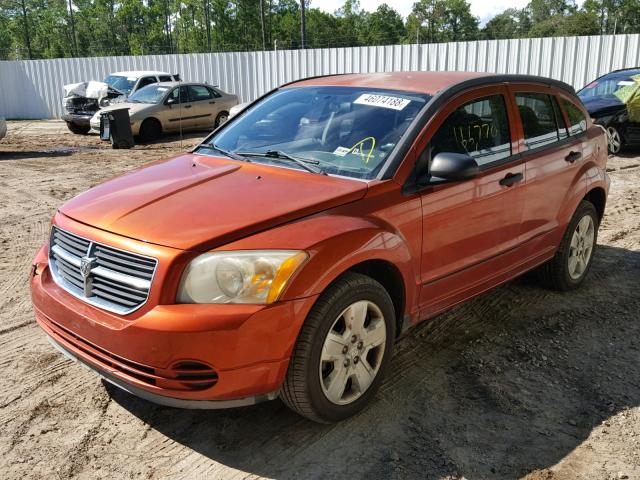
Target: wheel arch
column 390, row 277
column 153, row 119
column 598, row 197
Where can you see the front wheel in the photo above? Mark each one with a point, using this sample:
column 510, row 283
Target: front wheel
column 568, row 268
column 614, row 140
column 150, row 130
column 343, row 350
column 221, row 119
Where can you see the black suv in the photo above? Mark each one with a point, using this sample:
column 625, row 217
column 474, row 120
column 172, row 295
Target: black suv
column 613, row 101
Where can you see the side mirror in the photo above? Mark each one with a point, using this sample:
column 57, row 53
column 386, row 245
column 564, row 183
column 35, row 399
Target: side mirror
column 171, row 101
column 453, row 166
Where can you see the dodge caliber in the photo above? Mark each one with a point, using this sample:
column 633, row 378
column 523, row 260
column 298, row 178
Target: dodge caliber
column 285, row 254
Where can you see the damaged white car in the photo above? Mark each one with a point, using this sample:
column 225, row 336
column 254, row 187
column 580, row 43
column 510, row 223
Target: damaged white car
column 82, row 100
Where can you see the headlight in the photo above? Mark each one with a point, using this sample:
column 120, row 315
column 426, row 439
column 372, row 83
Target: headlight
column 252, row 276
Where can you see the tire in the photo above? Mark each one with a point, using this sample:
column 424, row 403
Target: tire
column 78, row 129
column 150, row 130
column 220, row 119
column 563, row 272
column 615, row 140
column 306, row 389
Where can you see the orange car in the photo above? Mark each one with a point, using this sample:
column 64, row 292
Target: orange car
column 287, row 252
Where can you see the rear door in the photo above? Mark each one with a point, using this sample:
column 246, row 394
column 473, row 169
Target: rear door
column 468, row 226
column 553, row 156
column 204, row 106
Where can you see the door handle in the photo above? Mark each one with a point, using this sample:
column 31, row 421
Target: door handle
column 187, row 106
column 211, row 103
column 573, row 156
column 511, row 178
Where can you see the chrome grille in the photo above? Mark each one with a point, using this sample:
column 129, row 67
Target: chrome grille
column 103, row 276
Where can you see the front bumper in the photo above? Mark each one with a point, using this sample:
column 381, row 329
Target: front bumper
column 246, row 348
column 80, row 119
column 95, row 125
column 160, row 399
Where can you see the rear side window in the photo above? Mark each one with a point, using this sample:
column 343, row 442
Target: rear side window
column 165, row 78
column 479, row 128
column 198, row 92
column 539, row 118
column 147, row 81
column 214, row 92
column 576, row 118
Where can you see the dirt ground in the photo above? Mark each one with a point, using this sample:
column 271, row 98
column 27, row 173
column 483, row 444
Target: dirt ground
column 520, row 382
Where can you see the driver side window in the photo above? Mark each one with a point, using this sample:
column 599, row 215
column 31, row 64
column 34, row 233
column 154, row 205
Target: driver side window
column 184, row 95
column 479, row 128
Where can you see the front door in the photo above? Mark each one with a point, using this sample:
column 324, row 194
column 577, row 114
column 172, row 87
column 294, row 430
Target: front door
column 470, row 227
column 179, row 115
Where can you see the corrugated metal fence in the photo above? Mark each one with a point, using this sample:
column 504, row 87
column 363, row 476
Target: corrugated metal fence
column 33, row 89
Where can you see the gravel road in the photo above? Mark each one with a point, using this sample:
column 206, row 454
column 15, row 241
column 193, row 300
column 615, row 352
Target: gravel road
column 521, row 382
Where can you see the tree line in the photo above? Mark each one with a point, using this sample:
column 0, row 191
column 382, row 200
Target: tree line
column 80, row 28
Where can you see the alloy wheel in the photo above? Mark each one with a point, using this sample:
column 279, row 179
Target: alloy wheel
column 581, row 247
column 614, row 140
column 352, row 352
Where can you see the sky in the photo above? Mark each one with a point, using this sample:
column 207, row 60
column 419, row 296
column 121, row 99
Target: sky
column 483, row 9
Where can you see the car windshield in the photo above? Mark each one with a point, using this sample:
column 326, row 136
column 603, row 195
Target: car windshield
column 348, row 131
column 122, row 84
column 149, row 94
column 605, row 86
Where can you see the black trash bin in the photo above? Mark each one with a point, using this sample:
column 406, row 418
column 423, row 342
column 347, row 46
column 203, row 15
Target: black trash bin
column 116, row 127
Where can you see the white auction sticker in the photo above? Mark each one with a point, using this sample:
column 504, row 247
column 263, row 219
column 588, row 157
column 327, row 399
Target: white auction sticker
column 384, row 101
column 341, row 151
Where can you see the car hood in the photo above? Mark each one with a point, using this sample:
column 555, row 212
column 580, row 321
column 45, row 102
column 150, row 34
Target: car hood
column 195, row 202
column 602, row 106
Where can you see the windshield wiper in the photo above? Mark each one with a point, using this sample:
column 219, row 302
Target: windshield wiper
column 233, row 155
column 304, row 163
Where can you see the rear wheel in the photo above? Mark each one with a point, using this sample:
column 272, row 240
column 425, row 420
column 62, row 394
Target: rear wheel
column 221, row 119
column 614, row 140
column 150, row 130
column 78, row 129
column 343, row 350
column 568, row 268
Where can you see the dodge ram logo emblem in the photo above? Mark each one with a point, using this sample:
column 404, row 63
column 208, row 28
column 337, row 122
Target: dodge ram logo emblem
column 86, row 264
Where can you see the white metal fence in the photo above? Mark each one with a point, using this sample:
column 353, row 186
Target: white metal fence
column 33, row 88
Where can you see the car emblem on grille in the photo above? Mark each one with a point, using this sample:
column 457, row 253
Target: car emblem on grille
column 86, row 265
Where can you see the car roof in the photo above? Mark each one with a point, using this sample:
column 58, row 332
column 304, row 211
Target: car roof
column 422, row 82
column 139, row 73
column 175, row 84
column 625, row 72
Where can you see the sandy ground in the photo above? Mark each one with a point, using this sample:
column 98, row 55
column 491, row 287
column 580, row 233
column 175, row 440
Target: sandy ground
column 520, row 382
